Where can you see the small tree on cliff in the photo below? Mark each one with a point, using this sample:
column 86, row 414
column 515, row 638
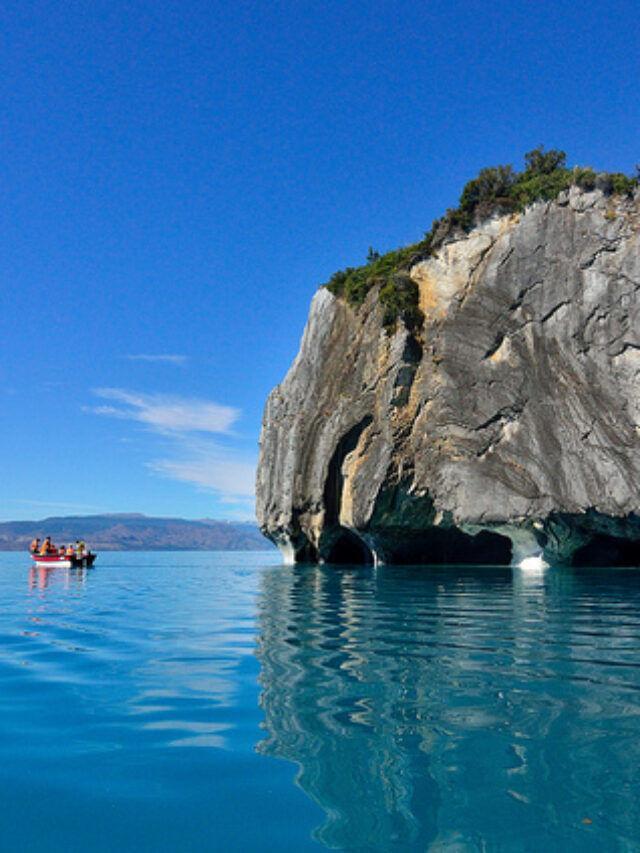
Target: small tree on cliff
column 541, row 162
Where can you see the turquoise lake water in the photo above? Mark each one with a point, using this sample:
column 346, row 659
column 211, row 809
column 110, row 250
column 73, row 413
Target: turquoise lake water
column 221, row 702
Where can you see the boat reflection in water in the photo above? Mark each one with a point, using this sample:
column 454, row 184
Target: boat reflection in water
column 41, row 576
column 456, row 708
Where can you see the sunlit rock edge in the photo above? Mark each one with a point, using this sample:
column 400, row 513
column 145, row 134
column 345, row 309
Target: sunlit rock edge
column 506, row 427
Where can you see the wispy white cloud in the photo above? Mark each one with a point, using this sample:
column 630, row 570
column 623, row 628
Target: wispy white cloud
column 184, row 426
column 210, row 467
column 165, row 412
column 164, row 358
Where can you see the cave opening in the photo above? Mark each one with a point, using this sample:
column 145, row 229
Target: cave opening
column 603, row 550
column 348, row 548
column 335, row 478
column 442, row 546
column 306, row 553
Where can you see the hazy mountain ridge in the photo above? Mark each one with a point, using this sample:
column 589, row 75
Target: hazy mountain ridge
column 135, row 532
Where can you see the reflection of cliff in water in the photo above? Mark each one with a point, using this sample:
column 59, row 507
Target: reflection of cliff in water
column 456, row 708
column 351, row 693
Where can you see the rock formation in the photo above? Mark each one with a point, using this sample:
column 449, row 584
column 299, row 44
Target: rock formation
column 507, row 425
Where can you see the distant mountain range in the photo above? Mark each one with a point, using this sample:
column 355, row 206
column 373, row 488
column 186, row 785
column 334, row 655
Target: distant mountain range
column 134, row 532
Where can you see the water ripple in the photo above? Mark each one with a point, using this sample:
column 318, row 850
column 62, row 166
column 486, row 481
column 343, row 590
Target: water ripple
column 417, row 709
column 437, row 709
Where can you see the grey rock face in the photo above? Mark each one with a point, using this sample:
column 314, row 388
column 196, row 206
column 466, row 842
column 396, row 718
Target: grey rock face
column 508, row 426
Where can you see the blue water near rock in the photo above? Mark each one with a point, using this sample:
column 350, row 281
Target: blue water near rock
column 221, row 702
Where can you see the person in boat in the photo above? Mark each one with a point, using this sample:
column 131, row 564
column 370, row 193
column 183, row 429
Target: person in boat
column 46, row 547
column 80, row 547
column 35, row 546
column 62, row 551
column 70, row 552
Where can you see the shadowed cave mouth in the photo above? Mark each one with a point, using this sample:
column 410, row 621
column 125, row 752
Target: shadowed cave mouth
column 335, row 478
column 435, row 546
column 349, row 549
column 442, row 546
column 605, row 550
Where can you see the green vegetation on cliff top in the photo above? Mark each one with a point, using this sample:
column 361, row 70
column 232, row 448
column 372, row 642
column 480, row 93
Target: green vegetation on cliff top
column 496, row 190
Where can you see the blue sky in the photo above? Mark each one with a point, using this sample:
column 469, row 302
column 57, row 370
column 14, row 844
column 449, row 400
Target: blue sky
column 178, row 178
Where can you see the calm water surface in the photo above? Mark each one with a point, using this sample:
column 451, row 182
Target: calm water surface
column 205, row 702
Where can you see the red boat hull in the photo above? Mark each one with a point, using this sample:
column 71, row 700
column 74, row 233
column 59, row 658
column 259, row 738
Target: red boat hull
column 62, row 562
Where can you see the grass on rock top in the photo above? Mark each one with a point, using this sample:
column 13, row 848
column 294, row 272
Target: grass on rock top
column 496, row 189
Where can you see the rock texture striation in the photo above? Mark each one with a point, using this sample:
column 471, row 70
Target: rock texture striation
column 508, row 425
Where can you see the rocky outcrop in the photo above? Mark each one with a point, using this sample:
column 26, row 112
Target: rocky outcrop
column 508, row 425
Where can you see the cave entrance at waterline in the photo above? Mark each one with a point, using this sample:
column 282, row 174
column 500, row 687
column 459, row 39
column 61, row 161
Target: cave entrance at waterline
column 349, row 549
column 444, row 546
column 603, row 550
column 435, row 546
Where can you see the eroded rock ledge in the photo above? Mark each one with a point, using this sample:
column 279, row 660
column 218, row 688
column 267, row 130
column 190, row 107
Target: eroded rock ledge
column 508, row 425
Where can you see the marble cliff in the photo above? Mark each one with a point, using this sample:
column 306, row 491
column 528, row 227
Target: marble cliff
column 508, row 424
